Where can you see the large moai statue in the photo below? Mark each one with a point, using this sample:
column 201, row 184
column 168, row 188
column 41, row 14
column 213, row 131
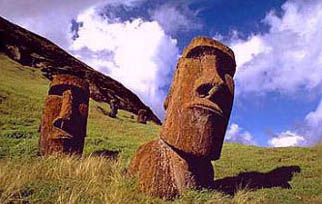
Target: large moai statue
column 64, row 119
column 197, row 112
column 114, row 106
column 142, row 116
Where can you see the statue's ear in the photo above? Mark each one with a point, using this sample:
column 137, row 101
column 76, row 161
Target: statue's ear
column 230, row 83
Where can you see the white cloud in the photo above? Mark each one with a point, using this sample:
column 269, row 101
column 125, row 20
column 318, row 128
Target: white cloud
column 51, row 18
column 172, row 19
column 47, row 18
column 314, row 118
column 236, row 134
column 287, row 59
column 286, row 139
column 312, row 127
column 246, row 50
column 138, row 53
column 308, row 134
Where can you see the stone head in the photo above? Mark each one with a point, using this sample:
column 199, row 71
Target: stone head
column 65, row 115
column 199, row 103
column 114, row 105
column 114, row 101
column 142, row 116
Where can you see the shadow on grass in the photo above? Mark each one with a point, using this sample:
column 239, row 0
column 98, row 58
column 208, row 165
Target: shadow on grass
column 253, row 180
column 107, row 113
column 108, row 154
column 102, row 110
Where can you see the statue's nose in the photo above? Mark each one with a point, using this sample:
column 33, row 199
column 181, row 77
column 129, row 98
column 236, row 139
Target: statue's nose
column 66, row 110
column 215, row 86
column 208, row 90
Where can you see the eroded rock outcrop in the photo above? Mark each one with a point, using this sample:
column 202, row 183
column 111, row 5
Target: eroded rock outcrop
column 197, row 112
column 64, row 120
column 35, row 51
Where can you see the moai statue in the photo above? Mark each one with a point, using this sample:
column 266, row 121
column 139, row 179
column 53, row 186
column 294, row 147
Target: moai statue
column 14, row 52
column 114, row 106
column 142, row 116
column 197, row 112
column 64, row 120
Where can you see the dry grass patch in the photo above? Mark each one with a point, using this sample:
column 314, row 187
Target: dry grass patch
column 90, row 180
column 65, row 180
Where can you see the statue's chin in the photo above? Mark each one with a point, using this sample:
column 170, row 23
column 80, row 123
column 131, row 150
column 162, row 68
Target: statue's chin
column 201, row 130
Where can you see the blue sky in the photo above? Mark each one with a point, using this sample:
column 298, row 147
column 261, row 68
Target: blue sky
column 277, row 44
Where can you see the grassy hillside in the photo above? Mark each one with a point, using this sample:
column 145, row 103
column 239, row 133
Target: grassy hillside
column 22, row 94
column 244, row 174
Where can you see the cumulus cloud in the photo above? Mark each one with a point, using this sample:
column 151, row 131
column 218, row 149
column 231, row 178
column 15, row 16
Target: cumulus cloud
column 310, row 132
column 138, row 53
column 47, row 18
column 312, row 126
column 173, row 19
column 286, row 139
column 51, row 18
column 237, row 134
column 288, row 58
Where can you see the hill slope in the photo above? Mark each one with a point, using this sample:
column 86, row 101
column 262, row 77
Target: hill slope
column 30, row 49
column 283, row 175
column 22, row 93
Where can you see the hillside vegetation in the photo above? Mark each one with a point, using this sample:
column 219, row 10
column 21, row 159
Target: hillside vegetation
column 244, row 174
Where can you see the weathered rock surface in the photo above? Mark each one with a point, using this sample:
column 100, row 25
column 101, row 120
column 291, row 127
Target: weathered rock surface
column 32, row 50
column 197, row 112
column 64, row 119
column 200, row 99
column 166, row 173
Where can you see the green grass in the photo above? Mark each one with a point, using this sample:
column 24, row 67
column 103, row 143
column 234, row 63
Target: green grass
column 22, row 93
column 25, row 177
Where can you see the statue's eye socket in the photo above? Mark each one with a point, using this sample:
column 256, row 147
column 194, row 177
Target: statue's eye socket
column 223, row 70
column 58, row 89
column 224, row 66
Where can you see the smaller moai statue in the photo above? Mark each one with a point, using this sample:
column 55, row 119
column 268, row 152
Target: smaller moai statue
column 198, row 108
column 114, row 106
column 64, row 119
column 142, row 116
column 14, row 52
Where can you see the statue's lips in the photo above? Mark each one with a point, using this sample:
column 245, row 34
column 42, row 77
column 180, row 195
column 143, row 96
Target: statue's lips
column 208, row 106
